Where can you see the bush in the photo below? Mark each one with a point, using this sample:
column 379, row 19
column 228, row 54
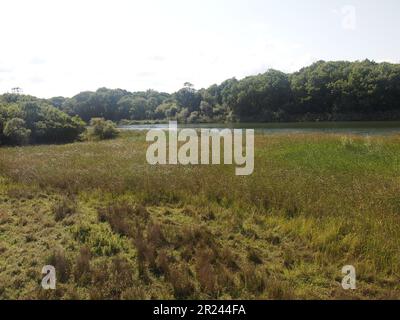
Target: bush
column 30, row 120
column 82, row 266
column 103, row 129
column 181, row 281
column 99, row 238
column 16, row 131
column 111, row 279
column 63, row 208
column 116, row 216
column 59, row 130
column 61, row 263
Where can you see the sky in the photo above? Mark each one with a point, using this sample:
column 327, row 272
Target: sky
column 60, row 48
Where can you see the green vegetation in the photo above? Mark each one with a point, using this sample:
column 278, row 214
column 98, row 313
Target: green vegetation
column 101, row 129
column 117, row 228
column 16, row 132
column 25, row 119
column 324, row 91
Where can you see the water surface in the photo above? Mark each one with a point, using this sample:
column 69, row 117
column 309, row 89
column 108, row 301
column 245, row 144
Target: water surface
column 361, row 128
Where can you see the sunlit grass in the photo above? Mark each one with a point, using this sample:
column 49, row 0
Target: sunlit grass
column 313, row 204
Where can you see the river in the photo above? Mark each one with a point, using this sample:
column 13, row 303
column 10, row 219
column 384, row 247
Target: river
column 357, row 128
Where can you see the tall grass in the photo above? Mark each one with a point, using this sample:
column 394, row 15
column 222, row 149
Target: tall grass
column 313, row 204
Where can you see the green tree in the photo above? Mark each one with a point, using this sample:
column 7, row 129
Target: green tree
column 206, row 109
column 16, row 132
column 188, row 97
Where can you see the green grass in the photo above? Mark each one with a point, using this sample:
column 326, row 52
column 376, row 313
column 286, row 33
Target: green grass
column 118, row 228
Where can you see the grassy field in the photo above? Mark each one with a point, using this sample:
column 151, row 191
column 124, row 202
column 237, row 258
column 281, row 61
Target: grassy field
column 117, row 228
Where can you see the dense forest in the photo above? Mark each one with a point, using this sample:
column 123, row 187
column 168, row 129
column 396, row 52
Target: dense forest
column 324, row 91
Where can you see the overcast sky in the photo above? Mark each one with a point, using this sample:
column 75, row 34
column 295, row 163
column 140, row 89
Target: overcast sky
column 62, row 47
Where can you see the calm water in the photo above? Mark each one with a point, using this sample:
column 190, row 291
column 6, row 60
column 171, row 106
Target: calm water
column 362, row 128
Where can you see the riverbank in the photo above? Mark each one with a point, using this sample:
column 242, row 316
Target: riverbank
column 350, row 127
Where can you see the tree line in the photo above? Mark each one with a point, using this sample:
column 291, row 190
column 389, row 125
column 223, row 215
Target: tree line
column 324, row 91
column 26, row 119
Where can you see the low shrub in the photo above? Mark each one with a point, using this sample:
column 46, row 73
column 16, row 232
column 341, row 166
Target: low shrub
column 63, row 208
column 61, row 263
column 82, row 266
column 101, row 129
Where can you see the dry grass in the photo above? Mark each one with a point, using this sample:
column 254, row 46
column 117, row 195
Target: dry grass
column 129, row 230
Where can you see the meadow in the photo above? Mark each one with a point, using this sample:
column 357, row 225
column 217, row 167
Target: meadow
column 117, row 228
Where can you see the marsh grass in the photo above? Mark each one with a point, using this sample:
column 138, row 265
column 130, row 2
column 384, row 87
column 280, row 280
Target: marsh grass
column 130, row 230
